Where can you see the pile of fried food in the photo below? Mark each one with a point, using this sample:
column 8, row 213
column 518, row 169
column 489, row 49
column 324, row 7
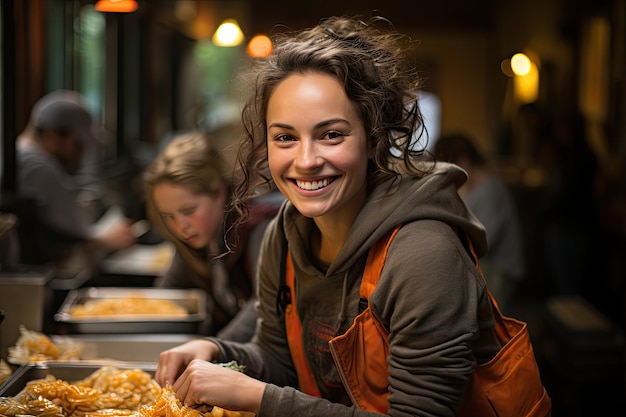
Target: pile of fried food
column 34, row 346
column 107, row 392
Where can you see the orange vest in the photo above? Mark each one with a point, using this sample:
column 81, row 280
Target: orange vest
column 360, row 353
column 509, row 385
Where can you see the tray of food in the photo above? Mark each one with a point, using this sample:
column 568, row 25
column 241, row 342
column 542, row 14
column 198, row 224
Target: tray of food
column 105, row 389
column 72, row 372
column 115, row 310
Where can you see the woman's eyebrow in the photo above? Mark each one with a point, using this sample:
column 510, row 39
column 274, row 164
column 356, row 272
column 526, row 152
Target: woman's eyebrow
column 317, row 125
column 330, row 122
column 281, row 125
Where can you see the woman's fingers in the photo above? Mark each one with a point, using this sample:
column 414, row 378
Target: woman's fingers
column 205, row 383
column 172, row 362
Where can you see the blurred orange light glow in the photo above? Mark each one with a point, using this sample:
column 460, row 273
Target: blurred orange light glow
column 259, row 46
column 116, row 6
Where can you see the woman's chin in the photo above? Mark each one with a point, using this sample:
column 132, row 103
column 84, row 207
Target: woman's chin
column 196, row 243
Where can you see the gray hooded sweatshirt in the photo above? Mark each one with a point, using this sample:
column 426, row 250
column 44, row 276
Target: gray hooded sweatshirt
column 430, row 297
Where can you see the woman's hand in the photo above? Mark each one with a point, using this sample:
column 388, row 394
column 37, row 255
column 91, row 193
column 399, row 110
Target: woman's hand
column 205, row 383
column 173, row 362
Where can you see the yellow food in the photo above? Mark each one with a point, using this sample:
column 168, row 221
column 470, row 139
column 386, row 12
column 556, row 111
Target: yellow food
column 122, row 389
column 127, row 305
column 25, row 406
column 107, row 392
column 33, row 346
column 168, row 405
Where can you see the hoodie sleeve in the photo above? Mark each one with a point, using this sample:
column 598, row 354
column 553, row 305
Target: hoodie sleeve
column 428, row 298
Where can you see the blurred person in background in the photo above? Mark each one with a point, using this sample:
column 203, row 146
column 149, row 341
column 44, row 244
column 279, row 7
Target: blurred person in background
column 489, row 198
column 49, row 153
column 187, row 191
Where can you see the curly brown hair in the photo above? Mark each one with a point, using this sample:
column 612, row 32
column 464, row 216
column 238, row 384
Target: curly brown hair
column 369, row 59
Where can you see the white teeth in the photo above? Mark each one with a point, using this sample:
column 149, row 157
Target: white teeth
column 313, row 185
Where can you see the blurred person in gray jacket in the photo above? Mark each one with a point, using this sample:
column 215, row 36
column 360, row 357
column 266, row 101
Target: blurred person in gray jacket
column 489, row 198
column 49, row 153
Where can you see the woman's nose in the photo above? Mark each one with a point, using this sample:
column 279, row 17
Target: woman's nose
column 307, row 156
column 181, row 223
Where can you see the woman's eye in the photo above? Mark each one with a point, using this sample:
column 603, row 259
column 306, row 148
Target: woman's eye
column 189, row 211
column 333, row 135
column 283, row 138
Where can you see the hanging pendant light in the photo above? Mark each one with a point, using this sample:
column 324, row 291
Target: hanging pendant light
column 116, row 6
column 228, row 34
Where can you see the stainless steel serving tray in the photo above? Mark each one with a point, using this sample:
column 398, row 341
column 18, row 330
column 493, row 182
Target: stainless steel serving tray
column 126, row 347
column 67, row 371
column 193, row 300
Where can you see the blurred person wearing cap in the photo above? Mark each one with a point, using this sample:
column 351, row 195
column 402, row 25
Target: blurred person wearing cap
column 49, row 153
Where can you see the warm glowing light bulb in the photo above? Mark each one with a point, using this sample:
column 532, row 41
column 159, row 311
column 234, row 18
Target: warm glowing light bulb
column 228, row 34
column 259, row 46
column 520, row 64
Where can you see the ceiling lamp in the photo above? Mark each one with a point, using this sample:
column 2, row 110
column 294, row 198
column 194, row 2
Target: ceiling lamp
column 520, row 64
column 260, row 46
column 116, row 6
column 228, row 34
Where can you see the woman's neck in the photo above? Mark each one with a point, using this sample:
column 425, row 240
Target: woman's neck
column 333, row 228
column 328, row 238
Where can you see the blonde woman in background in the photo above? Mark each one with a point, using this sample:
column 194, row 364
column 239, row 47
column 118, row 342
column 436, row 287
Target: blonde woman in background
column 187, row 189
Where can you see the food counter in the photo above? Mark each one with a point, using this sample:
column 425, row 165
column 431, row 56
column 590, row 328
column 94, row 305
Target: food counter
column 128, row 324
column 103, row 361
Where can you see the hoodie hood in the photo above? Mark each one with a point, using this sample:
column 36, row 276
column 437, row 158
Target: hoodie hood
column 433, row 196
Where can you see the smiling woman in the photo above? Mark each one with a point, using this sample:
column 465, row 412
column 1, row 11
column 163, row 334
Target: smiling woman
column 369, row 298
column 318, row 152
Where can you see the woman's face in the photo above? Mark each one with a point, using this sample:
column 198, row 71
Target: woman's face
column 193, row 218
column 317, row 147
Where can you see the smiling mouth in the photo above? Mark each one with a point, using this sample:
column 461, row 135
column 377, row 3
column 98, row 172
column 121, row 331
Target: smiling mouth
column 314, row 185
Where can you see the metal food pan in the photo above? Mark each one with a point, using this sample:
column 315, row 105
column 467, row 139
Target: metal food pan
column 193, row 300
column 67, row 371
column 125, row 347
